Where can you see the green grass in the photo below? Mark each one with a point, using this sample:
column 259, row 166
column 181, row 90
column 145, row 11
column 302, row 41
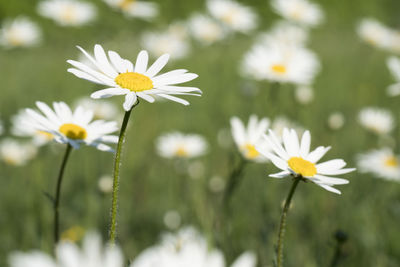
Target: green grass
column 353, row 75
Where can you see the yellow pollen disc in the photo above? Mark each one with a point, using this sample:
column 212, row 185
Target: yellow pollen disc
column 279, row 68
column 302, row 166
column 46, row 135
column 73, row 131
column 73, row 234
column 124, row 4
column 134, row 81
column 250, row 151
column 391, row 162
column 181, row 152
column 69, row 14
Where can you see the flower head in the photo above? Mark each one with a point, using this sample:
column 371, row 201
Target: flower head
column 246, row 139
column 285, row 34
column 124, row 78
column 299, row 11
column 67, row 12
column 377, row 120
column 133, row 8
column 294, row 158
column 102, row 109
column 16, row 153
column 20, row 32
column 205, row 29
column 278, row 63
column 381, row 162
column 233, row 15
column 178, row 145
column 74, row 128
column 393, row 64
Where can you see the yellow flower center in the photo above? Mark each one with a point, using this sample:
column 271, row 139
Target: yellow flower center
column 46, row 135
column 73, row 131
column 391, row 162
column 279, row 68
column 73, row 234
column 181, row 152
column 124, row 4
column 134, row 81
column 69, row 14
column 302, row 166
column 250, row 151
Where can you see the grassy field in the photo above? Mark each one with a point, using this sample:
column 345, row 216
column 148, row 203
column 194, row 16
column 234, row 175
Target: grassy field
column 353, row 75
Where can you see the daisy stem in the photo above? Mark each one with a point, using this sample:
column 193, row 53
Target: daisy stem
column 233, row 182
column 283, row 221
column 117, row 160
column 58, row 194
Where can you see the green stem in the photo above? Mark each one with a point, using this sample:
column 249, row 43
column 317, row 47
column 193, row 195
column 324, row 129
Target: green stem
column 117, row 164
column 283, row 221
column 233, row 182
column 58, row 195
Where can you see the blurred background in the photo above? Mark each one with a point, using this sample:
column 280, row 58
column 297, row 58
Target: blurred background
column 353, row 75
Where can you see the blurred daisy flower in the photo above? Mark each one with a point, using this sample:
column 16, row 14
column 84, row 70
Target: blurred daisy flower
column 16, row 153
column 124, row 78
column 246, row 139
column 382, row 163
column 67, row 12
column 295, row 159
column 376, row 34
column 233, row 15
column 102, row 109
column 277, row 64
column 132, row 8
column 304, row 94
column 173, row 41
column 285, row 34
column 205, row 30
column 282, row 122
column 187, row 248
column 68, row 254
column 74, row 128
column 179, row 145
column 377, row 120
column 299, row 11
column 336, row 120
column 393, row 64
column 19, row 32
column 23, row 126
column 105, row 184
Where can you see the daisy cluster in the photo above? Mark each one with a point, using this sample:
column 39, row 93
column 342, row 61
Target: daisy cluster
column 280, row 55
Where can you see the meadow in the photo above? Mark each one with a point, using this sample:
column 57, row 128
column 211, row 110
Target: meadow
column 353, row 75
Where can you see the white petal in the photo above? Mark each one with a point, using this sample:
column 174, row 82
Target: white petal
column 157, row 65
column 280, row 174
column 104, row 93
column 305, row 144
column 117, row 62
column 330, row 165
column 84, row 75
column 130, row 100
column 329, row 188
column 102, row 61
column 141, row 62
column 146, row 97
column 174, row 98
column 317, row 154
column 330, row 180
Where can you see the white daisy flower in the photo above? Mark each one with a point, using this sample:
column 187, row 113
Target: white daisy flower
column 246, row 139
column 205, row 30
column 132, row 8
column 282, row 122
column 67, row 12
column 68, row 254
column 299, row 11
column 179, row 145
column 376, row 34
column 285, row 34
column 295, row 159
column 124, row 78
column 304, row 94
column 23, row 126
column 172, row 41
column 278, row 64
column 16, row 153
column 187, row 248
column 74, row 128
column 19, row 32
column 102, row 109
column 233, row 15
column 383, row 163
column 377, row 120
column 336, row 120
column 393, row 64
